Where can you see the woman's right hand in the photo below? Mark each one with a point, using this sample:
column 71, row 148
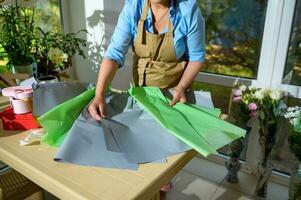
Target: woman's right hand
column 97, row 108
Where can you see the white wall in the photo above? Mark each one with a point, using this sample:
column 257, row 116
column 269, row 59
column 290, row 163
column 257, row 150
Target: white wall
column 99, row 18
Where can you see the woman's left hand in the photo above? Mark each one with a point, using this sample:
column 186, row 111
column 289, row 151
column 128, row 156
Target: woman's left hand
column 178, row 96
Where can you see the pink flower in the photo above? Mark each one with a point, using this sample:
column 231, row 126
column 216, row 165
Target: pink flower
column 252, row 106
column 237, row 99
column 237, row 92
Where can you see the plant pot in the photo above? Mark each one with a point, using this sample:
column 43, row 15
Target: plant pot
column 50, row 73
column 30, row 69
column 48, row 79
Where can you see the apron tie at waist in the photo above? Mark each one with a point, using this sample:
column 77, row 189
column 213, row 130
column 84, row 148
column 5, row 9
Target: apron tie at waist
column 159, row 73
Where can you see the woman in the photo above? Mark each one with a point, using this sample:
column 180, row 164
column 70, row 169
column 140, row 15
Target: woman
column 167, row 37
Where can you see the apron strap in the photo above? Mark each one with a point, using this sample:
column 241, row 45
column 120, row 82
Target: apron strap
column 145, row 10
column 141, row 21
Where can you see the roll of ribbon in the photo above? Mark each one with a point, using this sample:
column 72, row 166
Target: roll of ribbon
column 21, row 106
column 20, row 97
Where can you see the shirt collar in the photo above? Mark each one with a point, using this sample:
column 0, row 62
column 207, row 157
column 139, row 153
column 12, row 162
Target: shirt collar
column 171, row 11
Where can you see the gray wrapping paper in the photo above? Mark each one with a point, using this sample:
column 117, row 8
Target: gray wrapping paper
column 54, row 94
column 128, row 136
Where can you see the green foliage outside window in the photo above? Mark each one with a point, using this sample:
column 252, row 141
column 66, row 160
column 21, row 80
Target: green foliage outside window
column 292, row 74
column 233, row 35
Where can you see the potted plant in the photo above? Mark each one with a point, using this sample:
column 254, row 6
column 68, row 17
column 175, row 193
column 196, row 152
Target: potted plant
column 17, row 35
column 268, row 106
column 293, row 114
column 25, row 43
column 54, row 51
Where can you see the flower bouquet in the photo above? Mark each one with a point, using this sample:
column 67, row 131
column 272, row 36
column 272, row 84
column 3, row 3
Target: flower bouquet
column 293, row 114
column 267, row 105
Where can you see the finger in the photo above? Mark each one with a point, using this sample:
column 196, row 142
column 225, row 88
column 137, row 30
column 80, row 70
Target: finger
column 102, row 111
column 174, row 101
column 183, row 99
column 94, row 113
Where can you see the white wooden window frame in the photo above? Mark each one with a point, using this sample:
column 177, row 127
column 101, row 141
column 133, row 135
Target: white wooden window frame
column 275, row 42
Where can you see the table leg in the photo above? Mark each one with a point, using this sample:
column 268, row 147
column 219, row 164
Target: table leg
column 156, row 196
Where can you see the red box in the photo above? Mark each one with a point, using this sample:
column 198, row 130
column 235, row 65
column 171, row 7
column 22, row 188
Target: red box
column 12, row 121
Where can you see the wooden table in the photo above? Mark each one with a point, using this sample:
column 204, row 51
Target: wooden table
column 68, row 181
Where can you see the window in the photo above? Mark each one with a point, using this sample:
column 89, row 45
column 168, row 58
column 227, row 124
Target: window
column 283, row 159
column 48, row 15
column 292, row 72
column 234, row 30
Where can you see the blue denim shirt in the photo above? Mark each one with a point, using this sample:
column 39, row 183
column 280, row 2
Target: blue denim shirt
column 189, row 30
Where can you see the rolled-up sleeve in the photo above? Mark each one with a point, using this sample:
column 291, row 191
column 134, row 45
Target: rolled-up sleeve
column 196, row 35
column 122, row 36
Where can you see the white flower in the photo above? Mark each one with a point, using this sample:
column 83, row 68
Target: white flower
column 243, row 88
column 252, row 87
column 266, row 91
column 57, row 56
column 286, row 116
column 259, row 94
column 295, row 121
column 292, row 109
column 276, row 94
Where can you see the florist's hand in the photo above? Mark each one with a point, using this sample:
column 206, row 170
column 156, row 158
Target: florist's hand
column 178, row 96
column 97, row 108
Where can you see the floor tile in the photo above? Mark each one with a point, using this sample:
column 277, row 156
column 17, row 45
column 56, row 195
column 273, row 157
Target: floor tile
column 208, row 170
column 226, row 193
column 187, row 186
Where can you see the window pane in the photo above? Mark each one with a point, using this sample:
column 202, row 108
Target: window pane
column 48, row 15
column 292, row 73
column 234, row 31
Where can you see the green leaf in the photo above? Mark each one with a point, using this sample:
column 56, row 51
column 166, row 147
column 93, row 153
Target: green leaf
column 3, row 69
column 261, row 115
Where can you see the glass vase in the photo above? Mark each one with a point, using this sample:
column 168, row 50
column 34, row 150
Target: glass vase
column 267, row 135
column 295, row 183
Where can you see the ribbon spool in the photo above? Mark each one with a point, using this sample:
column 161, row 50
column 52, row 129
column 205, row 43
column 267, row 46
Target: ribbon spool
column 20, row 98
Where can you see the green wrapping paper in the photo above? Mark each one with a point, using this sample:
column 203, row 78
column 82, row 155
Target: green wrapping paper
column 60, row 119
column 198, row 127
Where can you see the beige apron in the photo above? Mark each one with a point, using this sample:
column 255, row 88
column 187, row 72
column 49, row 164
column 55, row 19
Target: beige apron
column 155, row 61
